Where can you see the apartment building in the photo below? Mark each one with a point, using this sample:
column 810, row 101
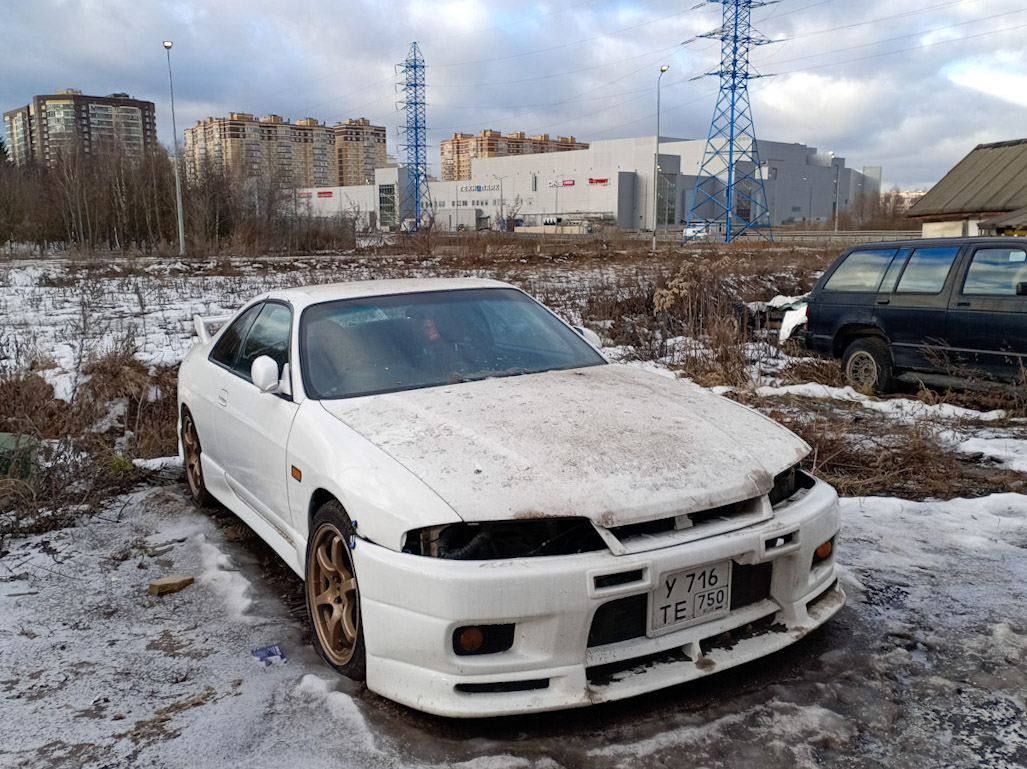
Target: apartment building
column 359, row 149
column 300, row 154
column 69, row 120
column 459, row 151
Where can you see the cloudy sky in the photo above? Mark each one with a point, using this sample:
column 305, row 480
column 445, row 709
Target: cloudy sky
column 910, row 86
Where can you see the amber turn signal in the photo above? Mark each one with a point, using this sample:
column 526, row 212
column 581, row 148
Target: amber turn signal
column 824, row 550
column 471, row 639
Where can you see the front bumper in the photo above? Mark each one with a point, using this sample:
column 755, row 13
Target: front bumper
column 411, row 606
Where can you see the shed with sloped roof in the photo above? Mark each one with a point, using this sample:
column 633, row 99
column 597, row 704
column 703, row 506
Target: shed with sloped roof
column 988, row 183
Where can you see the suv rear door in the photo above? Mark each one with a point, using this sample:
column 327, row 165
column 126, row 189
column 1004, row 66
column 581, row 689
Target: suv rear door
column 987, row 320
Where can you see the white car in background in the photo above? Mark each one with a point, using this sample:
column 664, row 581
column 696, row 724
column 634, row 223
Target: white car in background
column 489, row 516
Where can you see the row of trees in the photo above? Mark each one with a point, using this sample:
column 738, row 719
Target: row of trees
column 106, row 201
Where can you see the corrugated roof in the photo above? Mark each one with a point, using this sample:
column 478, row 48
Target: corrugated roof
column 1017, row 219
column 991, row 179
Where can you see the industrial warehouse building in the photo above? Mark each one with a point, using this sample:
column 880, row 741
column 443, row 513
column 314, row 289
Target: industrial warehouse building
column 608, row 184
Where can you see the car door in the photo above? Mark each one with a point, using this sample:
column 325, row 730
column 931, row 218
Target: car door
column 845, row 297
column 912, row 315
column 252, row 427
column 987, row 319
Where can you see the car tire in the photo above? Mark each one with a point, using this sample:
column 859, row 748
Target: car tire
column 193, row 453
column 867, row 366
column 332, row 593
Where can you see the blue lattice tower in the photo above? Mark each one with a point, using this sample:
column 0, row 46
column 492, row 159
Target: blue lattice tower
column 729, row 191
column 416, row 135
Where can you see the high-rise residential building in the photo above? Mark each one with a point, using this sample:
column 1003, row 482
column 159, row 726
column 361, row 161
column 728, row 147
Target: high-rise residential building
column 458, row 152
column 359, row 148
column 300, row 154
column 69, row 120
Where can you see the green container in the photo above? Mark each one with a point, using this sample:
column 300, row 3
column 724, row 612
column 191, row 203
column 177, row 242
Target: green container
column 17, row 455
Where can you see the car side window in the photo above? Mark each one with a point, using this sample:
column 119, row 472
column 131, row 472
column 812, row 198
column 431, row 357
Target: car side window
column 927, row 270
column 996, row 271
column 269, row 335
column 861, row 271
column 227, row 348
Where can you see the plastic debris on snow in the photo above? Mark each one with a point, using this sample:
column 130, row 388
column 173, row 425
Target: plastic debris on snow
column 269, row 655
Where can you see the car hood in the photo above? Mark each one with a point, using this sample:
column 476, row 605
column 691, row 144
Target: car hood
column 612, row 442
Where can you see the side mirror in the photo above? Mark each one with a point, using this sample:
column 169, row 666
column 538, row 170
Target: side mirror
column 590, row 336
column 264, row 373
column 1021, row 289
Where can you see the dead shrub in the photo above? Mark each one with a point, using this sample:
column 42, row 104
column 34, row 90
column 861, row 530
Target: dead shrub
column 862, row 454
column 811, row 369
column 120, row 412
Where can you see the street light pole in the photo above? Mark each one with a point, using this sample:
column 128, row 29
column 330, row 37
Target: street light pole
column 502, row 218
column 836, row 179
column 656, row 154
column 178, row 179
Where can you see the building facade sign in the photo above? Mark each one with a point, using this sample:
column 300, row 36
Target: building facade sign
column 478, row 187
column 562, row 183
column 598, row 181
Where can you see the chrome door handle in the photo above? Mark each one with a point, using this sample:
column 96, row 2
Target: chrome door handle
column 223, row 397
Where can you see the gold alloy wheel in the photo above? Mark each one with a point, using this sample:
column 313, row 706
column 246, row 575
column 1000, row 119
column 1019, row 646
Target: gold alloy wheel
column 332, row 594
column 193, row 468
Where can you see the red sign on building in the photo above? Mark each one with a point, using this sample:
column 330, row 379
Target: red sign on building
column 324, row 193
column 598, row 181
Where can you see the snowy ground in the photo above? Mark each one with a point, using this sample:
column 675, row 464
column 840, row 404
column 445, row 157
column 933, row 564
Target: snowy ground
column 925, row 667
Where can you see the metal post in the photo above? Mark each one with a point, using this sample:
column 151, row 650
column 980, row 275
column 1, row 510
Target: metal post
column 656, row 156
column 178, row 179
column 502, row 218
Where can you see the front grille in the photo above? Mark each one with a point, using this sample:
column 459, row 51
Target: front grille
column 750, row 584
column 603, row 675
column 625, row 618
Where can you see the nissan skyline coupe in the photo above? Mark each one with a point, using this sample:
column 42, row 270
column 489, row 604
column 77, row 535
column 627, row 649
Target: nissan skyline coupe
column 489, row 516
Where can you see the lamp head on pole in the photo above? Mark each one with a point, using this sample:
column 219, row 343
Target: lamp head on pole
column 168, row 44
column 664, row 68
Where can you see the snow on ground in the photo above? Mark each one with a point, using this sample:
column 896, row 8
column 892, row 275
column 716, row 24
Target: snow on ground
column 925, row 667
column 903, row 410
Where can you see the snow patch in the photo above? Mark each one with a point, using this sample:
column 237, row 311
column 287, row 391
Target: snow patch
column 220, row 573
column 341, row 707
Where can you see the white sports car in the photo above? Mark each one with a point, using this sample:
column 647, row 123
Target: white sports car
column 489, row 516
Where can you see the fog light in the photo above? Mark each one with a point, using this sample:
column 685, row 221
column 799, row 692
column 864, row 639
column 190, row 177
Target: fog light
column 471, row 639
column 482, row 639
column 824, row 550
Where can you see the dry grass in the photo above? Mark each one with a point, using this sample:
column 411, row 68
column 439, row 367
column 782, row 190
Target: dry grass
column 120, row 412
column 862, row 454
column 679, row 306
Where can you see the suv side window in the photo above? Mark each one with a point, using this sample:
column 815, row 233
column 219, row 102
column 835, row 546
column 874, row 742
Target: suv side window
column 927, row 270
column 269, row 335
column 861, row 271
column 227, row 348
column 996, row 271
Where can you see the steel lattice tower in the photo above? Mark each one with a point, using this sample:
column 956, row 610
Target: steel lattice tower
column 416, row 134
column 729, row 189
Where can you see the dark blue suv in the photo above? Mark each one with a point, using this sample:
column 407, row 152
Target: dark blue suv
column 947, row 311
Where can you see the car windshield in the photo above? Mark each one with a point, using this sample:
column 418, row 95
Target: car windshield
column 397, row 342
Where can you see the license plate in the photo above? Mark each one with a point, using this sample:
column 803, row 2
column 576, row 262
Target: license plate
column 691, row 596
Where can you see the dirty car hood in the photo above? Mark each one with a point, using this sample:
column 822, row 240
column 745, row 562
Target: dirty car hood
column 612, row 443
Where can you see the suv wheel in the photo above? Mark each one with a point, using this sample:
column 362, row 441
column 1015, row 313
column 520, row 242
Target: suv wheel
column 867, row 366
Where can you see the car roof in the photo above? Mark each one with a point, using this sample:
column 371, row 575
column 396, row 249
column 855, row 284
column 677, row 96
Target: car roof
column 955, row 241
column 327, row 292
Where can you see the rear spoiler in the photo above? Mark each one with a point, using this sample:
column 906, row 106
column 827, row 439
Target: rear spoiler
column 207, row 325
